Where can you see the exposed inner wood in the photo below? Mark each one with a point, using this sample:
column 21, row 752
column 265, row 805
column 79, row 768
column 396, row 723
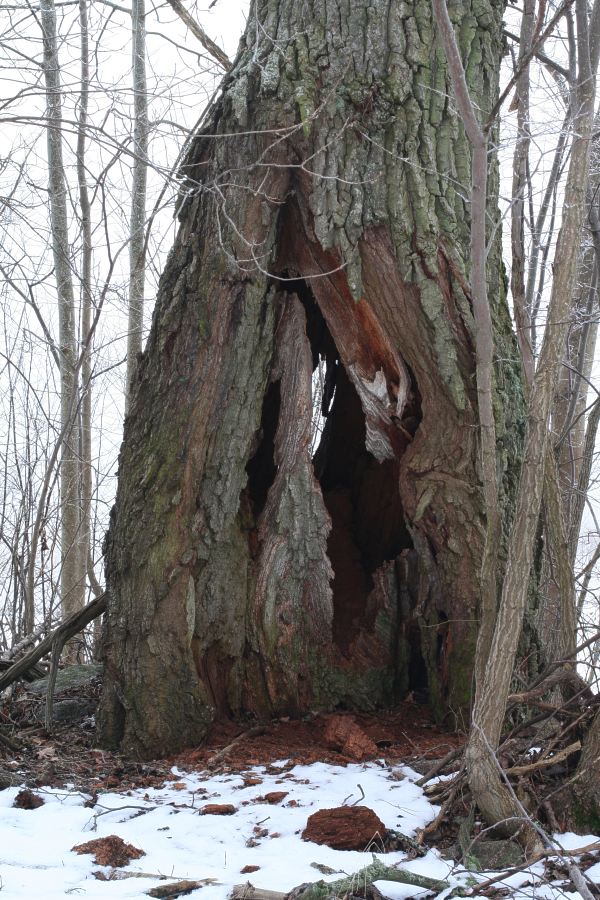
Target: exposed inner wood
column 367, row 612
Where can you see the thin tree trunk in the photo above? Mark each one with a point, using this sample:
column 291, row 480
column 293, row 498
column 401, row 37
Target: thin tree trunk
column 519, row 186
column 484, row 341
column 72, row 589
column 137, row 247
column 557, row 618
column 86, row 302
column 489, row 791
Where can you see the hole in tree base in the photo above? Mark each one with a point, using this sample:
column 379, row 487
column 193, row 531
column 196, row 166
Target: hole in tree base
column 375, row 654
column 368, row 530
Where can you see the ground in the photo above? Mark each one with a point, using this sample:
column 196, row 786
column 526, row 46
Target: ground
column 235, row 810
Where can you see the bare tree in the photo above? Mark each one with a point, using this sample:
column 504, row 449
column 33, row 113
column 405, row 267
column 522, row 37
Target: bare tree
column 72, row 577
column 489, row 791
column 137, row 246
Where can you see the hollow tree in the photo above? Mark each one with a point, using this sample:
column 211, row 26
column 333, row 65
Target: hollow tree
column 324, row 225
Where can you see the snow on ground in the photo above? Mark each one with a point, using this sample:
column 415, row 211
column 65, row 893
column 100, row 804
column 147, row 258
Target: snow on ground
column 36, row 860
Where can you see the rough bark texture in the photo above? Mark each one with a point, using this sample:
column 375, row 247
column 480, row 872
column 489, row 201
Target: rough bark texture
column 323, row 215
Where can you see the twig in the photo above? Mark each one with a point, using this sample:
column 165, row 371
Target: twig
column 362, row 795
column 199, row 32
column 220, row 756
column 526, row 59
column 439, row 765
column 431, row 826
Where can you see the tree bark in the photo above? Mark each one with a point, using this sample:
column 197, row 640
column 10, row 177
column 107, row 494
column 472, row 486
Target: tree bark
column 323, row 216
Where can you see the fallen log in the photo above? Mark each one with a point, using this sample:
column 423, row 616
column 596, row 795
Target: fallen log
column 67, row 629
column 33, row 673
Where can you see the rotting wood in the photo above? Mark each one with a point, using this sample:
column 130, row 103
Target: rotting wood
column 67, row 629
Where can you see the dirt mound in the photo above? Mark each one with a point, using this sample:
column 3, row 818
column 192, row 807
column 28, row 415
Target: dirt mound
column 345, row 828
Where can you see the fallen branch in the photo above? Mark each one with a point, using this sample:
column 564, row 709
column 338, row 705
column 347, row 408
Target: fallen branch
column 180, row 888
column 33, row 674
column 176, row 882
column 543, row 854
column 545, row 761
column 439, row 765
column 21, row 645
column 67, row 629
column 249, row 892
column 352, row 884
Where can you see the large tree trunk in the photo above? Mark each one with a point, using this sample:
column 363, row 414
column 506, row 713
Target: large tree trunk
column 323, row 216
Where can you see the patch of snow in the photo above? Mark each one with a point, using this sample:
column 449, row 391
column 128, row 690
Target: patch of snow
column 36, row 859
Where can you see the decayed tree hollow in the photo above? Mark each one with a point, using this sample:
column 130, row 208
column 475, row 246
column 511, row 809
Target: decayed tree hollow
column 323, row 217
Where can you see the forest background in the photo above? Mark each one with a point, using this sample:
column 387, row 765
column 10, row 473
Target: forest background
column 89, row 174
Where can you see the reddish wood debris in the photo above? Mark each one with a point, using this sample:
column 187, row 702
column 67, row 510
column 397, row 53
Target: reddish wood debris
column 345, row 828
column 342, row 733
column 26, row 799
column 273, row 797
column 218, row 809
column 401, row 734
column 110, row 851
